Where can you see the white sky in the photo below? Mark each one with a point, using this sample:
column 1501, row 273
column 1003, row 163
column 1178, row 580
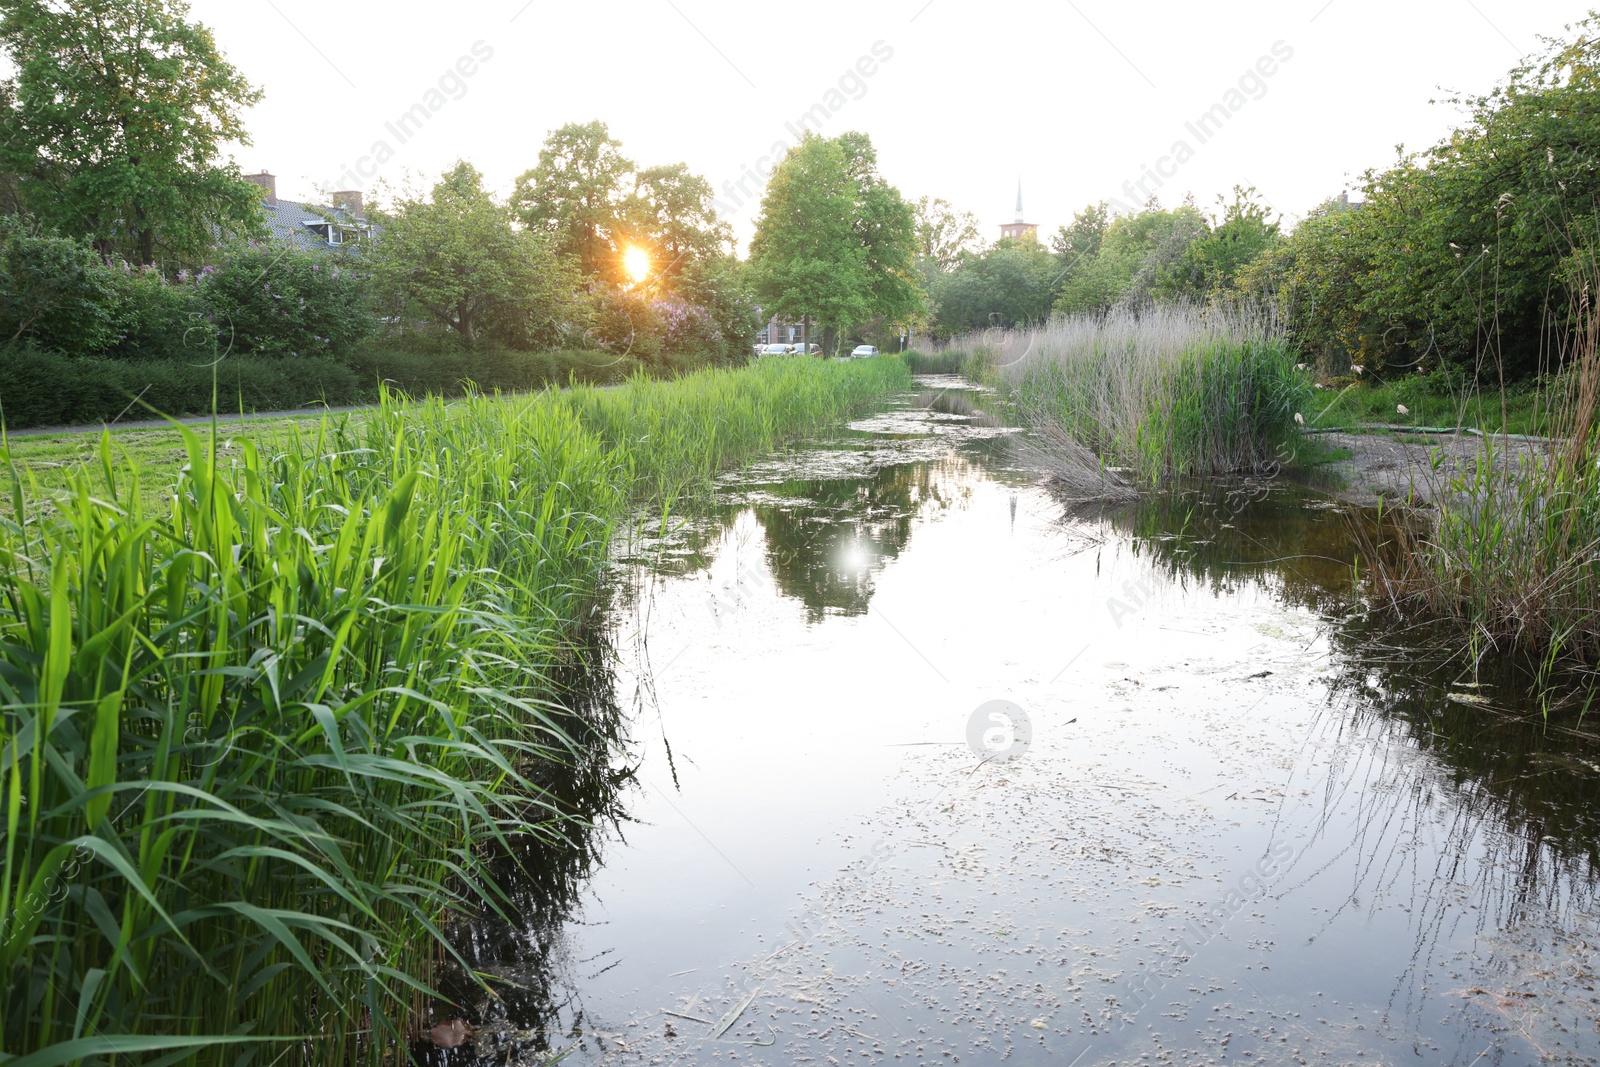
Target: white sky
column 1074, row 96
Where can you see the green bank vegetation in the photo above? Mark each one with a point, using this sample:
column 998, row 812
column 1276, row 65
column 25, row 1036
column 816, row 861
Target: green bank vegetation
column 1175, row 392
column 261, row 729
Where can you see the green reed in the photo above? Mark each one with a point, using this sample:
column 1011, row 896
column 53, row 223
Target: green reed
column 256, row 735
column 1168, row 392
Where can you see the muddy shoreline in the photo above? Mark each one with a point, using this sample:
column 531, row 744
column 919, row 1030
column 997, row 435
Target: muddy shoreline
column 1404, row 469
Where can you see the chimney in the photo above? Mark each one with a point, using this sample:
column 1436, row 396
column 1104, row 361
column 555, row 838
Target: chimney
column 348, row 200
column 268, row 184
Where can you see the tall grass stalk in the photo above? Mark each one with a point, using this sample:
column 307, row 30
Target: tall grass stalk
column 256, row 738
column 1169, row 392
column 1514, row 551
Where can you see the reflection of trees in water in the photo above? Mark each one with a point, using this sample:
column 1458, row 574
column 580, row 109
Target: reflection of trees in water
column 1518, row 789
column 827, row 540
column 524, row 951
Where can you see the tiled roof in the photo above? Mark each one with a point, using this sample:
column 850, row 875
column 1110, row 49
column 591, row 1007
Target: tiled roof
column 290, row 221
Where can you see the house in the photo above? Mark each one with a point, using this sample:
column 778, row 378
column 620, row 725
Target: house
column 308, row 225
column 784, row 331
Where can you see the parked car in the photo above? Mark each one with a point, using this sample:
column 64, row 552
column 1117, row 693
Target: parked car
column 775, row 350
column 809, row 350
column 863, row 352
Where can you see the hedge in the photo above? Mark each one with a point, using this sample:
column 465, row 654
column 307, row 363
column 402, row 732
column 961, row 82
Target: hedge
column 39, row 388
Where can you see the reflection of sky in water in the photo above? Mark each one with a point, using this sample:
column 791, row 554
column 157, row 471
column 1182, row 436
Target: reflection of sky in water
column 1246, row 829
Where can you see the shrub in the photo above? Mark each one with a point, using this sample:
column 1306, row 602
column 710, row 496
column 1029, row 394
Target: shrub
column 40, row 388
column 54, row 291
column 284, row 301
column 157, row 318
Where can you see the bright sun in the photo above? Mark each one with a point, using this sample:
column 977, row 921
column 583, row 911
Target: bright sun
column 636, row 261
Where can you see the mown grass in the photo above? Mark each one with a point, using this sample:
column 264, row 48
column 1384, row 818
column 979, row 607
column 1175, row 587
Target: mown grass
column 1518, row 409
column 1168, row 393
column 257, row 734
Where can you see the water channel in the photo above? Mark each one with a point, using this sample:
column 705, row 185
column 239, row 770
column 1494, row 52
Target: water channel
column 912, row 764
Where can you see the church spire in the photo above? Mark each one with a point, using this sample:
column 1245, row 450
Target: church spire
column 1019, row 199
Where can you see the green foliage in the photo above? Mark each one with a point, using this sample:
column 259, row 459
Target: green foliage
column 833, row 239
column 1461, row 253
column 286, row 301
column 54, row 290
column 720, row 285
column 1213, row 263
column 118, row 116
column 576, row 195
column 624, row 323
column 1168, row 393
column 40, row 388
column 156, row 318
column 1009, row 285
column 246, row 772
column 457, row 260
column 670, row 215
column 945, row 236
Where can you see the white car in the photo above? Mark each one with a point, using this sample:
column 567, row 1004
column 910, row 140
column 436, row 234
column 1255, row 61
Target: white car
column 863, row 352
column 775, row 350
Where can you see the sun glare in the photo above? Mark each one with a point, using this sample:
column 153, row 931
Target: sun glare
column 636, row 261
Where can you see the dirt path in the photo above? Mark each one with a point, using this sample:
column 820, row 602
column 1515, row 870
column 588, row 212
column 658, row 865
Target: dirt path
column 1396, row 467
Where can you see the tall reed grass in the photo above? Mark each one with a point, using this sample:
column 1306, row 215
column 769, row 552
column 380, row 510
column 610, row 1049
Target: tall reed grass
column 255, row 740
column 1168, row 392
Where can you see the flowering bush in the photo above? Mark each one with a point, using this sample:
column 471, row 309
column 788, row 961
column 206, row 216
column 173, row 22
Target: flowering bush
column 624, row 323
column 686, row 327
column 283, row 301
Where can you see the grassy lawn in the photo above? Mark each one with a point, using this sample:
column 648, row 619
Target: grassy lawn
column 52, row 458
column 1520, row 410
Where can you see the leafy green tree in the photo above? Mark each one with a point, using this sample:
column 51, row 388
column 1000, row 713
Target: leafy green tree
column 806, row 256
column 1084, row 237
column 118, row 113
column 945, row 236
column 834, row 240
column 577, row 195
column 670, row 214
column 1009, row 285
column 886, row 227
column 1459, row 253
column 1140, row 258
column 457, row 261
column 1245, row 233
column 269, row 301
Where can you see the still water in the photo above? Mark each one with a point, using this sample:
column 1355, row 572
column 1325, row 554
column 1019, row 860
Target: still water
column 912, row 765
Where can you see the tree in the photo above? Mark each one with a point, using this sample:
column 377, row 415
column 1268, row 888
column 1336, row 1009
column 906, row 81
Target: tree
column 834, row 239
column 806, row 256
column 1140, row 258
column 671, row 215
column 457, row 260
column 1009, row 285
column 886, row 227
column 1084, row 237
column 576, row 195
column 118, row 114
column 945, row 236
column 1245, row 232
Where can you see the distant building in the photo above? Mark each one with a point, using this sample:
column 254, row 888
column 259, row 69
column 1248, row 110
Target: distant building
column 307, row 226
column 781, row 330
column 1020, row 230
